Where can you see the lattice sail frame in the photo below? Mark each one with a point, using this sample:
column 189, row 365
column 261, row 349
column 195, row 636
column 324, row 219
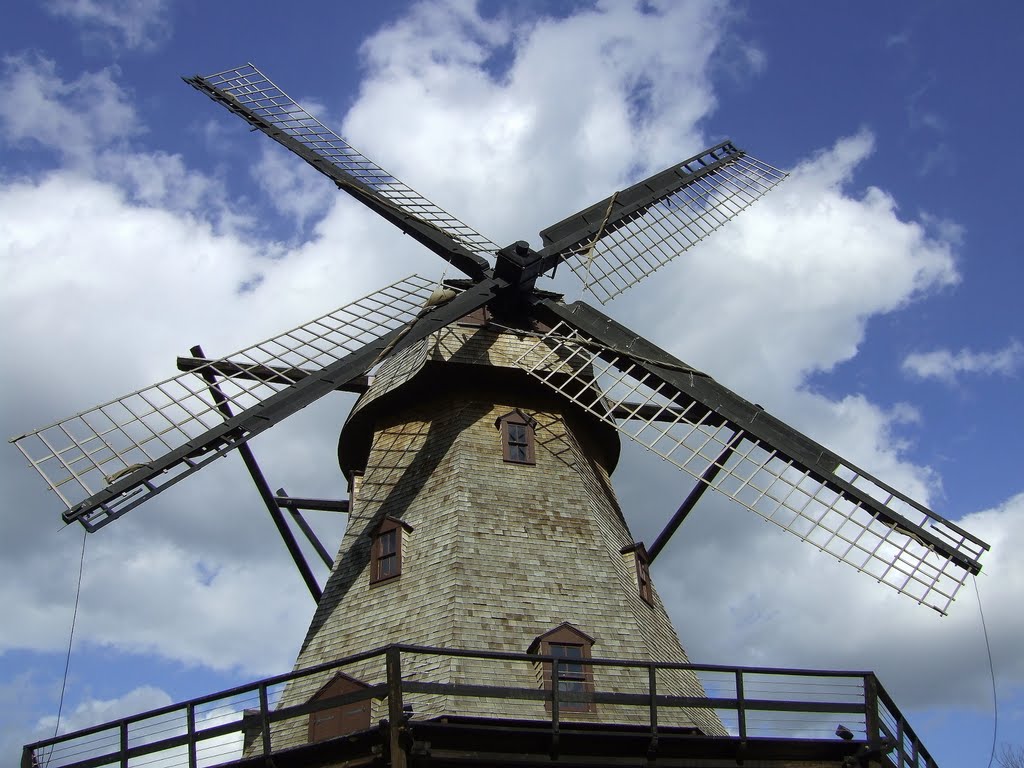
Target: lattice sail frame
column 81, row 455
column 256, row 92
column 757, row 475
column 651, row 237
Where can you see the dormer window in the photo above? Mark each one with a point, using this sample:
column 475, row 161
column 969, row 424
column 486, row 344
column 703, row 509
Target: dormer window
column 517, row 437
column 575, row 676
column 642, row 564
column 386, row 554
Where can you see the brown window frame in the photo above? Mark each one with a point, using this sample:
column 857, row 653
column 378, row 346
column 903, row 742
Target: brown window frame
column 642, row 564
column 553, row 643
column 512, row 440
column 388, row 534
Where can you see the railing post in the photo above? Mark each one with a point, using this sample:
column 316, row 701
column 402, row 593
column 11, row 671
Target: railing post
column 190, row 716
column 393, row 662
column 554, row 709
column 124, row 743
column 28, row 758
column 652, row 689
column 265, row 719
column 741, row 711
column 871, row 731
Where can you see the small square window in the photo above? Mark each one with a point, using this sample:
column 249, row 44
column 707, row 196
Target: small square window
column 643, row 579
column 643, row 570
column 516, row 437
column 386, row 554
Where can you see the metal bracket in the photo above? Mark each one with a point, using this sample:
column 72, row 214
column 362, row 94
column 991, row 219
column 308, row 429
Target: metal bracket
column 874, row 749
column 294, row 504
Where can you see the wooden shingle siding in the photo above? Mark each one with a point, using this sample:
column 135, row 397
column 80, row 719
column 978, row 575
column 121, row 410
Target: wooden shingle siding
column 501, row 552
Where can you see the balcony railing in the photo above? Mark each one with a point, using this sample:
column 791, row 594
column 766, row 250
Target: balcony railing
column 750, row 706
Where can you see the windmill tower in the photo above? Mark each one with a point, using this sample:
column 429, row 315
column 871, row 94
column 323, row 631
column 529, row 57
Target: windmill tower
column 484, row 545
column 482, row 516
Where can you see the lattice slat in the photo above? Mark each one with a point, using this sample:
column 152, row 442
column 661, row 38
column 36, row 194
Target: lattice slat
column 255, row 92
column 81, row 455
column 758, row 475
column 650, row 238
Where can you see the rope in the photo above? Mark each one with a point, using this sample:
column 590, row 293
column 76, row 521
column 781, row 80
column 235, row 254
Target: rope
column 587, row 253
column 71, row 637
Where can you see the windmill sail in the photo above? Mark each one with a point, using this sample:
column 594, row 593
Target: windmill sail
column 619, row 241
column 113, row 457
column 253, row 96
column 695, row 423
column 108, row 459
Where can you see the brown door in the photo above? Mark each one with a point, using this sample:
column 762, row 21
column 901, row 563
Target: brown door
column 340, row 720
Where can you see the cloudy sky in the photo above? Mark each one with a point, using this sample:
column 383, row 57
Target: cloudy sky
column 872, row 301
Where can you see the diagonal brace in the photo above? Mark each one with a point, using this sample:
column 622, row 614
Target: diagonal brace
column 755, row 423
column 261, row 485
column 293, row 505
column 707, row 477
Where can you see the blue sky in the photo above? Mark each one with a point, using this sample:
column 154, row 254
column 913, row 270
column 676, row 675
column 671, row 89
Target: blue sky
column 872, row 300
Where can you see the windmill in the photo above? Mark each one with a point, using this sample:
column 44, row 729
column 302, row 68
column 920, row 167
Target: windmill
column 480, row 448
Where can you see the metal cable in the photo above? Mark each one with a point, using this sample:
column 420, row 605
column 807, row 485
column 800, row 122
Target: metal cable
column 71, row 637
column 992, row 672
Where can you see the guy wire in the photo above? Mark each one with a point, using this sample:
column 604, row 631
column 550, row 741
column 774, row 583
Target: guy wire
column 992, row 672
column 71, row 637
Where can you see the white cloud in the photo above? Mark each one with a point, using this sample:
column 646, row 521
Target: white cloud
column 805, row 268
column 72, row 118
column 159, row 179
column 947, row 366
column 111, row 268
column 114, row 266
column 292, row 186
column 18, row 728
column 142, row 24
column 584, row 104
column 93, row 711
column 779, row 602
column 89, row 712
column 784, row 291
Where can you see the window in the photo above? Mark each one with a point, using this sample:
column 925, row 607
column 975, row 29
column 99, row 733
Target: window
column 386, row 555
column 641, row 563
column 575, row 677
column 572, row 677
column 516, row 437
